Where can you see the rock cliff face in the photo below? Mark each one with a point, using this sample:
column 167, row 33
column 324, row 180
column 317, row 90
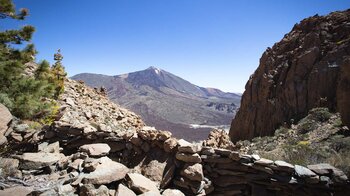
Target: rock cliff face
column 308, row 68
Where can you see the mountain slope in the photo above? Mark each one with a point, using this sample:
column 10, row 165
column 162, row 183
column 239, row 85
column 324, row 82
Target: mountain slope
column 167, row 101
column 306, row 69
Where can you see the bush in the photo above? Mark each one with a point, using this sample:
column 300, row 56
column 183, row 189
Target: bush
column 304, row 154
column 320, row 114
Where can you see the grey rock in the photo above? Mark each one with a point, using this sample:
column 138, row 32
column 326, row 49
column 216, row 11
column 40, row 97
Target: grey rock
column 106, row 172
column 140, row 184
column 90, row 190
column 256, row 157
column 193, row 172
column 170, row 144
column 49, row 148
column 207, row 151
column 284, row 166
column 223, row 152
column 150, row 193
column 172, row 192
column 263, row 161
column 321, row 169
column 304, row 172
column 34, row 161
column 124, row 191
column 191, row 158
column 95, row 150
column 21, row 128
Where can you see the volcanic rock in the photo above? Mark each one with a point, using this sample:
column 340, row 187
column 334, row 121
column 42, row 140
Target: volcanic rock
column 308, row 68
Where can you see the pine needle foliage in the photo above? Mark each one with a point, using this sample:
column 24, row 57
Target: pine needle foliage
column 28, row 96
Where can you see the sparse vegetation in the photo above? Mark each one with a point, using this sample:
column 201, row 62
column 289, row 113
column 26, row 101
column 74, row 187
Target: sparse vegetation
column 319, row 137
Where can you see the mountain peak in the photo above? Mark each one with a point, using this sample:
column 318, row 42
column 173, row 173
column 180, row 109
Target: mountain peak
column 155, row 69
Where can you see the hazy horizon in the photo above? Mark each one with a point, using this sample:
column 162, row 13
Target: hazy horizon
column 210, row 43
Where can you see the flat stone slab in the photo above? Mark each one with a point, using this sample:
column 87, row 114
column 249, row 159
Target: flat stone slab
column 106, row 172
column 140, row 184
column 322, row 168
column 264, row 162
column 327, row 169
column 95, row 150
column 191, row 158
column 284, row 166
column 304, row 172
column 34, row 161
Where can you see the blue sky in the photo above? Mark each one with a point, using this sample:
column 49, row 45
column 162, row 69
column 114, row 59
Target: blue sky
column 211, row 43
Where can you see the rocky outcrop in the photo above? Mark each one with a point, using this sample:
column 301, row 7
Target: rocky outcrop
column 343, row 92
column 308, row 68
column 5, row 119
column 91, row 150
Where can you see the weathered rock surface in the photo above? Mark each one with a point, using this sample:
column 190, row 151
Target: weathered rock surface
column 17, row 190
column 91, row 113
column 49, row 148
column 190, row 158
column 33, row 161
column 106, row 172
column 193, row 172
column 306, row 69
column 124, row 191
column 343, row 92
column 95, row 150
column 140, row 184
column 5, row 119
column 172, row 192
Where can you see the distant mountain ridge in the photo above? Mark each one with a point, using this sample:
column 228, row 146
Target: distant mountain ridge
column 167, row 101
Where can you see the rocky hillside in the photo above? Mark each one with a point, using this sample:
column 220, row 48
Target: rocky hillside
column 167, row 101
column 94, row 147
column 320, row 137
column 308, row 68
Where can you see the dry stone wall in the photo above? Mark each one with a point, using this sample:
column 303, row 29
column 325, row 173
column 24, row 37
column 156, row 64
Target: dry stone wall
column 201, row 170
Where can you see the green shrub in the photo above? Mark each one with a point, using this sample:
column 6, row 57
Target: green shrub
column 304, row 154
column 306, row 125
column 320, row 114
column 52, row 114
column 281, row 131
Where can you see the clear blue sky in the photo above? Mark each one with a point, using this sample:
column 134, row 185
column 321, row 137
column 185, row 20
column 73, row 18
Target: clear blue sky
column 211, row 43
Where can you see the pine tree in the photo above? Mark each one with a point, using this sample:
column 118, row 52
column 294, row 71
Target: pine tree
column 26, row 96
column 59, row 73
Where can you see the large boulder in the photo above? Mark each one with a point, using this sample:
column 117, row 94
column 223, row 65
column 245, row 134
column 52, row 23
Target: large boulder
column 5, row 119
column 106, row 172
column 306, row 69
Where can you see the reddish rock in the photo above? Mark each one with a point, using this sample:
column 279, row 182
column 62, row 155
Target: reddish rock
column 343, row 92
column 306, row 69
